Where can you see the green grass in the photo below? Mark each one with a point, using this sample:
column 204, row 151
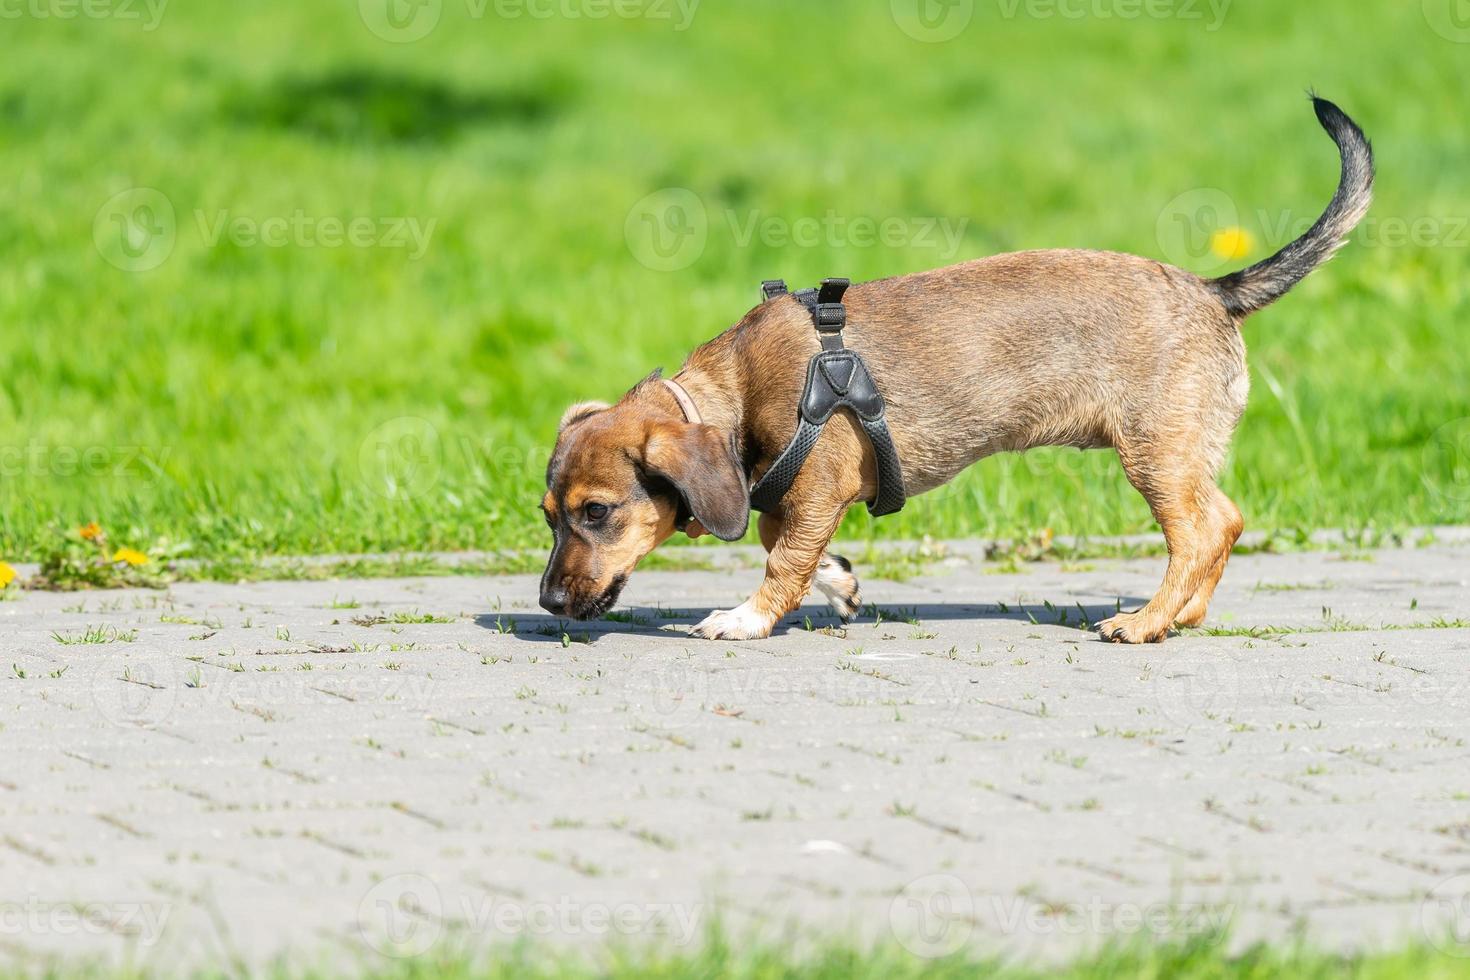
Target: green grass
column 243, row 399
column 95, row 634
column 1200, row 958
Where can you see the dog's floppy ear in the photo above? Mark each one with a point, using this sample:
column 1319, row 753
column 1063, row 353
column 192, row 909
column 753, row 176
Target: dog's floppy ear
column 701, row 465
column 578, row 412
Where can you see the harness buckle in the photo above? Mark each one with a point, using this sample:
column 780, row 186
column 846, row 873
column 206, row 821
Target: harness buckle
column 830, row 317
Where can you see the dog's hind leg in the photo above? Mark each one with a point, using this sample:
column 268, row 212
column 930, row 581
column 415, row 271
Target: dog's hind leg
column 834, row 577
column 1194, row 611
column 1182, row 495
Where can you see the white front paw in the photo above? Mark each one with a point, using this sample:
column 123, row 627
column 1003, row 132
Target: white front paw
column 741, row 623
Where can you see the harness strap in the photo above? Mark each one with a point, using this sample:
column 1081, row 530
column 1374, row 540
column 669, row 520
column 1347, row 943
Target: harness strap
column 832, row 290
column 836, row 378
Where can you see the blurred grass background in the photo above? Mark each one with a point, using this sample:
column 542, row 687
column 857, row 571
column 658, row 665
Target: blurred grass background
column 247, row 398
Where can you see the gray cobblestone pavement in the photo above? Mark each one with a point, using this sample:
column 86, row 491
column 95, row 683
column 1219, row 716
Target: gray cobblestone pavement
column 365, row 768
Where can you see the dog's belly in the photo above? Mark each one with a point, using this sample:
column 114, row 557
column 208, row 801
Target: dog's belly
column 1075, row 349
column 928, row 467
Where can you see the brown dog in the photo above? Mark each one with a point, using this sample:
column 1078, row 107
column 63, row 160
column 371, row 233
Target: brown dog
column 1053, row 348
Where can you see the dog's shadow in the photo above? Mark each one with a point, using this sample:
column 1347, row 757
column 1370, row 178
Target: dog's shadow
column 652, row 621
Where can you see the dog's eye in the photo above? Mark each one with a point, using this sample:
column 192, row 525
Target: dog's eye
column 595, row 512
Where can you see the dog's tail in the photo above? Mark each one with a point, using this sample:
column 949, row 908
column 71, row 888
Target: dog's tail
column 1249, row 290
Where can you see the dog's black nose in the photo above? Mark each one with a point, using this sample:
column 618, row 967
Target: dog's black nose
column 554, row 601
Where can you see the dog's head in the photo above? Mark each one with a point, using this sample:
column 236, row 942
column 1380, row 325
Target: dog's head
column 619, row 481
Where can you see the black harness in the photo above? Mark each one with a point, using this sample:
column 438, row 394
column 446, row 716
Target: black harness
column 835, row 378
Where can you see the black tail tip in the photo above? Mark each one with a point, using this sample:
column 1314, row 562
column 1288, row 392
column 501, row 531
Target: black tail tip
column 1338, row 124
column 1329, row 115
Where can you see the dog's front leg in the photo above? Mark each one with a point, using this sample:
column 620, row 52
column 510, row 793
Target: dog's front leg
column 834, row 578
column 797, row 545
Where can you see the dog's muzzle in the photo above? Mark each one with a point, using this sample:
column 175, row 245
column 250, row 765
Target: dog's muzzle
column 560, row 601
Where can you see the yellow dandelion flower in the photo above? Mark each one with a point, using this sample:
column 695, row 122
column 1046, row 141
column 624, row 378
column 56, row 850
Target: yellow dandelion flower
column 131, row 556
column 7, row 575
column 1232, row 243
column 90, row 532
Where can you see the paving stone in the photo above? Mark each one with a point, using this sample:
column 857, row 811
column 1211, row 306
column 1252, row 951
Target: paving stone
column 247, row 772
